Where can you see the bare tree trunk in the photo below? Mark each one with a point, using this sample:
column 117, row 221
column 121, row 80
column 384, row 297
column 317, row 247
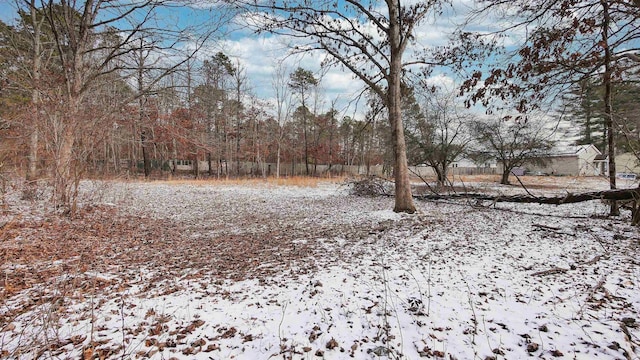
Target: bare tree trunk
column 441, row 172
column 238, row 154
column 404, row 199
column 114, row 155
column 32, row 159
column 304, row 131
column 146, row 162
column 174, row 155
column 504, row 180
column 608, row 107
column 227, row 150
column 331, row 129
column 63, row 162
column 238, row 137
column 144, row 136
column 278, row 161
column 32, row 167
column 196, row 166
column 218, row 151
column 209, row 146
column 403, row 196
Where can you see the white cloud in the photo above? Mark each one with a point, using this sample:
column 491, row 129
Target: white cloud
column 260, row 54
column 444, row 81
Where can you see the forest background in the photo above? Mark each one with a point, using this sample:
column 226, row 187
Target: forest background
column 113, row 89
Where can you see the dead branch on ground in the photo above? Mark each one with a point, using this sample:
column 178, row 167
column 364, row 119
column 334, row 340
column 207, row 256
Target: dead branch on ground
column 369, row 186
column 569, row 198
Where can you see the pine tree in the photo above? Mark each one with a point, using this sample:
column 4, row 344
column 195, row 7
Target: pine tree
column 583, row 105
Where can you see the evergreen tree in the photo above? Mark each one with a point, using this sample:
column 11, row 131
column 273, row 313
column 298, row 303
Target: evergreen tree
column 584, row 103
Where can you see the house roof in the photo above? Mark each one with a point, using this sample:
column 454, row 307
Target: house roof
column 574, row 150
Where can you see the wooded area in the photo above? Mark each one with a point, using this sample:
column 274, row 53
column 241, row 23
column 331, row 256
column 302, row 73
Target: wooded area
column 110, row 250
column 103, row 89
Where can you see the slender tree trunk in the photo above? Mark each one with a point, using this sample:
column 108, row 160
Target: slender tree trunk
column 64, row 160
column 331, row 143
column 209, row 145
column 146, row 162
column 218, row 150
column 114, row 154
column 210, row 163
column 304, row 131
column 32, row 159
column 238, row 155
column 174, row 155
column 144, row 136
column 196, row 166
column 238, row 138
column 585, row 103
column 227, row 151
column 403, row 196
column 608, row 107
column 278, row 160
column 32, row 167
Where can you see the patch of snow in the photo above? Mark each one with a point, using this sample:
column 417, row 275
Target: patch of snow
column 454, row 281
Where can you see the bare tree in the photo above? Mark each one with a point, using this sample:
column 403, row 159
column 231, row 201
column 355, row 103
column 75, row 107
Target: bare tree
column 440, row 136
column 141, row 58
column 36, row 23
column 26, row 57
column 284, row 108
column 92, row 40
column 240, row 86
column 511, row 143
column 367, row 40
column 566, row 42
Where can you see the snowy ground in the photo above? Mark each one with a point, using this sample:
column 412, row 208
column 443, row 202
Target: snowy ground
column 205, row 271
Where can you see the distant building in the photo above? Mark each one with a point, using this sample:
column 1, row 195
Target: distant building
column 466, row 166
column 577, row 160
column 602, row 163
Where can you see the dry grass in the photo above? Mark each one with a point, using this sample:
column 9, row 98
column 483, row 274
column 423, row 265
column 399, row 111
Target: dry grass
column 533, row 182
column 299, row 181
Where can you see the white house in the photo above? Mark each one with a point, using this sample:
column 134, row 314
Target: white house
column 575, row 160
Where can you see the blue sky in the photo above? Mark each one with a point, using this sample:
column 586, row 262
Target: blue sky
column 258, row 55
column 7, row 10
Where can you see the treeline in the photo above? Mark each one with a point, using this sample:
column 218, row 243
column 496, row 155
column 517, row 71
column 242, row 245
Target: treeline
column 106, row 89
column 93, row 91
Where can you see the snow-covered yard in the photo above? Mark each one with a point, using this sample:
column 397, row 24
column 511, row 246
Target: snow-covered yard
column 206, row 271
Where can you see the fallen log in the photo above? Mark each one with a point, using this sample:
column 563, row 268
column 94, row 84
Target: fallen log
column 569, row 198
